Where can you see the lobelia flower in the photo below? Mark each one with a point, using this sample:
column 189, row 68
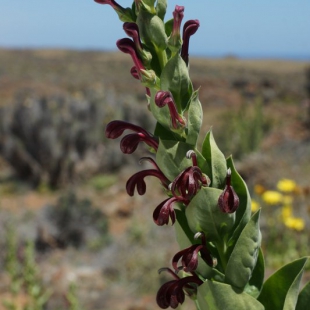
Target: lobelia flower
column 189, row 28
column 183, row 188
column 172, row 293
column 137, row 180
column 228, row 201
column 165, row 212
column 131, row 141
column 189, row 181
column 132, row 30
column 125, row 15
column 163, row 98
column 175, row 41
column 189, row 256
column 127, row 46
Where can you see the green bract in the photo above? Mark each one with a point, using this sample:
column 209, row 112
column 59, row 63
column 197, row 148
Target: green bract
column 220, row 246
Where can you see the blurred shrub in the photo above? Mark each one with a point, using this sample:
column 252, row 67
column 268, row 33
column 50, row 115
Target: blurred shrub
column 77, row 222
column 103, row 181
column 241, row 131
column 57, row 138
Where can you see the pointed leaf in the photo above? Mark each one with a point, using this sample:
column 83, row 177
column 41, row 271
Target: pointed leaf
column 304, row 298
column 216, row 161
column 243, row 259
column 175, row 78
column 194, row 119
column 171, row 157
column 220, row 296
column 243, row 213
column 280, row 291
column 166, row 134
column 203, row 214
column 256, row 282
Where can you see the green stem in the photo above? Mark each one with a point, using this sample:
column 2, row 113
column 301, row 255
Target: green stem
column 221, row 248
column 162, row 57
column 197, row 304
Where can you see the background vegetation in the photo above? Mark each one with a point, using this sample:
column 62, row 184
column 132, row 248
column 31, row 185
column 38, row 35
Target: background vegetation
column 71, row 237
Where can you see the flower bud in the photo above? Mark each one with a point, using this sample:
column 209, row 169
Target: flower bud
column 175, row 40
column 228, row 201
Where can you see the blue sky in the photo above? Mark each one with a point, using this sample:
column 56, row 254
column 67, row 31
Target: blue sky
column 251, row 28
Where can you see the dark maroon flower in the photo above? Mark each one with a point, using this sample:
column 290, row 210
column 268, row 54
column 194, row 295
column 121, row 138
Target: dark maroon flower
column 130, row 142
column 190, row 28
column 189, row 256
column 228, row 201
column 165, row 211
column 127, row 46
column 137, row 180
column 163, row 98
column 113, row 3
column 134, row 72
column 172, row 293
column 125, row 14
column 189, row 181
column 175, row 38
column 132, row 30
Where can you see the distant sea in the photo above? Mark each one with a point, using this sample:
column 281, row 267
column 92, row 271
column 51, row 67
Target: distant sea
column 238, row 55
column 280, row 56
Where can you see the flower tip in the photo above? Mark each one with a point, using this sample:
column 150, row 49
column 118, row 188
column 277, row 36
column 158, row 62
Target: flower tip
column 198, row 235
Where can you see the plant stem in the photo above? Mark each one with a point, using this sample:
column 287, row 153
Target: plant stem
column 221, row 247
column 162, row 57
column 197, row 304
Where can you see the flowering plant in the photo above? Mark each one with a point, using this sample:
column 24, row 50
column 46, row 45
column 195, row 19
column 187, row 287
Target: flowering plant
column 220, row 264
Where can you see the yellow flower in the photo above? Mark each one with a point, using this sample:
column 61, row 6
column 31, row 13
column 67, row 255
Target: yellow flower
column 287, row 212
column 254, row 206
column 259, row 189
column 272, row 197
column 296, row 223
column 286, row 185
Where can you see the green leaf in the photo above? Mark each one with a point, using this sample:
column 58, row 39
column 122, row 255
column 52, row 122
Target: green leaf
column 171, row 157
column 243, row 259
column 303, row 301
column 194, row 119
column 280, row 291
column 175, row 78
column 152, row 29
column 256, row 282
column 204, row 215
column 216, row 161
column 164, row 133
column 220, row 296
column 243, row 213
column 161, row 7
